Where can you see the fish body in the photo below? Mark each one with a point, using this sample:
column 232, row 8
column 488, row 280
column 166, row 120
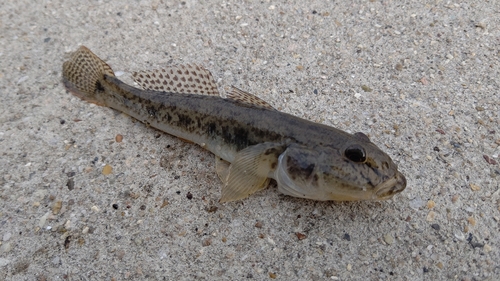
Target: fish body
column 252, row 141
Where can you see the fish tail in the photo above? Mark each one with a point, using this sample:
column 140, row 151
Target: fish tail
column 83, row 75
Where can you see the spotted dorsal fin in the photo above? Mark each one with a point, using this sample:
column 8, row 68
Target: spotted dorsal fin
column 247, row 98
column 186, row 79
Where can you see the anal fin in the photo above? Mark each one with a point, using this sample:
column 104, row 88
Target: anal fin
column 249, row 171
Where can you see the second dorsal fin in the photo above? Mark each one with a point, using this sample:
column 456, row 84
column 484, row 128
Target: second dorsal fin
column 185, row 79
column 247, row 98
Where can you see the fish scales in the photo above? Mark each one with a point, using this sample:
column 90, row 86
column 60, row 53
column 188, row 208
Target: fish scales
column 253, row 142
column 199, row 118
column 209, row 118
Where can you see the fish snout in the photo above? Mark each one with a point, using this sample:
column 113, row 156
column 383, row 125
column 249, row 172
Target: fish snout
column 391, row 187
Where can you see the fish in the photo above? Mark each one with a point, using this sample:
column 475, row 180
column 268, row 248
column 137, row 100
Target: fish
column 252, row 141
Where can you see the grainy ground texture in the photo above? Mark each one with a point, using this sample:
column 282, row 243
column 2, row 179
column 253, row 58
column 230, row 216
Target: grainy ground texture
column 421, row 78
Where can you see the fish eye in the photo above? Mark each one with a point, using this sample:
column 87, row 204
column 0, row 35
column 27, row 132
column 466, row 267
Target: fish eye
column 355, row 153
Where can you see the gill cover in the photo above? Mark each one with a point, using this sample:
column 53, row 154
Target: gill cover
column 298, row 173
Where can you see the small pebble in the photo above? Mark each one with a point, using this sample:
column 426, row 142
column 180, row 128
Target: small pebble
column 206, row 242
column 118, row 138
column 95, row 209
column 300, row 236
column 489, row 160
column 212, row 209
column 416, row 203
column 6, row 236
column 366, row 88
column 487, row 248
column 347, row 237
column 481, row 25
column 165, row 203
column 430, row 204
column 4, row 262
column 107, row 170
column 388, row 239
column 6, row 247
column 271, row 241
column 476, row 244
column 471, row 221
column 460, row 236
column 70, row 184
column 474, row 187
column 43, row 219
column 56, row 207
column 258, row 224
column 435, row 226
column 430, row 216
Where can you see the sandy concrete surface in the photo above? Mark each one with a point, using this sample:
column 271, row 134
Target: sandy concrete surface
column 421, row 78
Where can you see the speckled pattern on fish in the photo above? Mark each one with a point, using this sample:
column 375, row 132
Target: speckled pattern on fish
column 253, row 142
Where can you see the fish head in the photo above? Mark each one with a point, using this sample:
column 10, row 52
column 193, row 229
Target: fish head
column 358, row 170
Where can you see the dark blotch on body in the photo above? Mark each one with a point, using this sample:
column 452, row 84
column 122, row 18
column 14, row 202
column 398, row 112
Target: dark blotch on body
column 211, row 129
column 240, row 137
column 151, row 111
column 185, row 120
column 295, row 168
column 99, row 86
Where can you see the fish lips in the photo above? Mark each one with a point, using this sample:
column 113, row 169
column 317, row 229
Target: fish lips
column 390, row 187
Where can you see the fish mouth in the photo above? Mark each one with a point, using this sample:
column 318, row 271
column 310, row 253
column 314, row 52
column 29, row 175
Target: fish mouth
column 390, row 187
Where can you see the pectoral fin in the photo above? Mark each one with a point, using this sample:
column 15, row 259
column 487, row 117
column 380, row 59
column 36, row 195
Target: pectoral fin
column 222, row 168
column 250, row 169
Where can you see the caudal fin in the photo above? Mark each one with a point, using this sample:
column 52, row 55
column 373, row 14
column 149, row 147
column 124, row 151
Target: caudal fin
column 83, row 75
